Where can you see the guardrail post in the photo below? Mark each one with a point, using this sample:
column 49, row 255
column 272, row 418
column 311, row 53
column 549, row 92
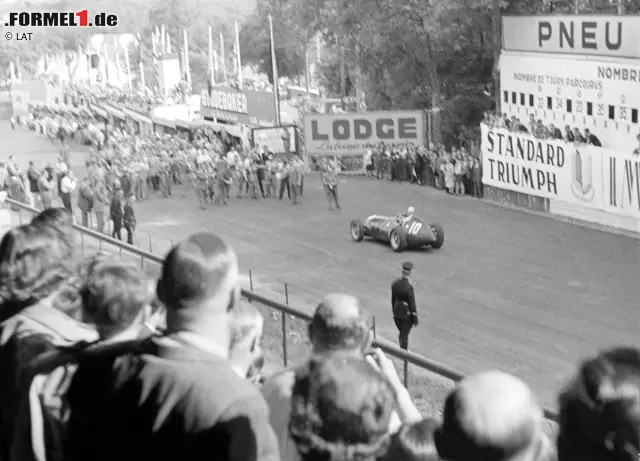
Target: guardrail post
column 251, row 282
column 284, row 326
column 150, row 245
column 82, row 242
column 374, row 328
column 142, row 262
column 20, row 215
column 406, row 375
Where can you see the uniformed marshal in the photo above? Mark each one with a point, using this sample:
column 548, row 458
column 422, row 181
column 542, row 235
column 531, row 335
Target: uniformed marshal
column 403, row 304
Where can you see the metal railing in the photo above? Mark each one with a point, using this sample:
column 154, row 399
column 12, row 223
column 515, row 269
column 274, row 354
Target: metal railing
column 407, row 357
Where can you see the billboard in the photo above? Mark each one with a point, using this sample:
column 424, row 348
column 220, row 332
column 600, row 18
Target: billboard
column 521, row 163
column 621, row 186
column 277, row 140
column 610, row 36
column 354, row 133
column 254, row 108
column 595, row 89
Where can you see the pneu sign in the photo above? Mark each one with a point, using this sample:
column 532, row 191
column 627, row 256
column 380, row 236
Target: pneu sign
column 613, row 36
column 354, row 133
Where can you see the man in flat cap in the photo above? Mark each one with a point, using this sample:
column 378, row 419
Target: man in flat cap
column 403, row 304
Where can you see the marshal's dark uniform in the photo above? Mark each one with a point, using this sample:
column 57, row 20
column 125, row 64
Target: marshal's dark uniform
column 403, row 304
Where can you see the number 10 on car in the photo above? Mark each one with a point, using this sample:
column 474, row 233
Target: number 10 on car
column 414, row 228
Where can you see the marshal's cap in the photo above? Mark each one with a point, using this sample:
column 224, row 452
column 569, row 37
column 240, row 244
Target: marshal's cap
column 407, row 267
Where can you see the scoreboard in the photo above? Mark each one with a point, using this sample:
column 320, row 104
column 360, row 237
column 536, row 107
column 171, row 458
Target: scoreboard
column 578, row 71
column 594, row 89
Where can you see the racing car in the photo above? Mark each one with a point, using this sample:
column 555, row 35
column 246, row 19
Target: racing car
column 402, row 231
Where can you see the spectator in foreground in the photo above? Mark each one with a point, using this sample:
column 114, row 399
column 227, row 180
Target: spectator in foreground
column 114, row 297
column 339, row 325
column 245, row 353
column 340, row 410
column 600, row 409
column 34, row 261
column 177, row 396
column 414, row 442
column 60, row 222
column 492, row 416
column 38, row 285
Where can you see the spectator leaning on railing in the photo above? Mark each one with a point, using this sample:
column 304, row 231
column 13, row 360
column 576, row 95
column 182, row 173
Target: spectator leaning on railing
column 114, row 300
column 538, row 129
column 339, row 325
column 176, row 396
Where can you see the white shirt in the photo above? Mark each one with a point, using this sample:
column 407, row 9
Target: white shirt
column 68, row 185
column 61, row 167
column 232, row 157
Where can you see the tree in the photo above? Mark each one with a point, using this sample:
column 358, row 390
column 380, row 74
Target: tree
column 290, row 37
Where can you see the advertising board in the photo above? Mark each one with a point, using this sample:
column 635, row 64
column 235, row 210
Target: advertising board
column 521, row 163
column 354, row 133
column 254, row 108
column 582, row 182
column 621, row 185
column 597, row 89
column 611, row 36
column 277, row 140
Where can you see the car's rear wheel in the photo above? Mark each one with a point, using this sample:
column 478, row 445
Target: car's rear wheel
column 439, row 231
column 398, row 240
column 357, row 230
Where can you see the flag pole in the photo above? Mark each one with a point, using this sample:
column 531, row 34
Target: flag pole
column 211, row 66
column 224, row 63
column 186, row 57
column 127, row 64
column 239, row 59
column 274, row 68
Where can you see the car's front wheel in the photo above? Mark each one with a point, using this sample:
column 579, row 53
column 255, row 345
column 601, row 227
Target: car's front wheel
column 398, row 240
column 357, row 230
column 439, row 231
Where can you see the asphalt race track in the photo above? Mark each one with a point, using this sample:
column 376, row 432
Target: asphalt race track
column 508, row 290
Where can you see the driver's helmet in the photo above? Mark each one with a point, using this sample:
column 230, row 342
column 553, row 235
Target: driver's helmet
column 410, row 211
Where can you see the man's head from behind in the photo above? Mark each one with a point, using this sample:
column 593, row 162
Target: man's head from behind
column 114, row 297
column 600, row 409
column 340, row 410
column 339, row 324
column 491, row 416
column 199, row 284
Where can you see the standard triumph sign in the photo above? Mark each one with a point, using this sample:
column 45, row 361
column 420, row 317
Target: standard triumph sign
column 354, row 133
column 522, row 163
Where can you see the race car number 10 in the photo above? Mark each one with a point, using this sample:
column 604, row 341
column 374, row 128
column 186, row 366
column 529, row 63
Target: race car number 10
column 414, row 228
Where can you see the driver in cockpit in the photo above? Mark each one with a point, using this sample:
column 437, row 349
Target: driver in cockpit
column 404, row 218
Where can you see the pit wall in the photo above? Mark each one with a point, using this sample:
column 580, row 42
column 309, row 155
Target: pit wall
column 577, row 181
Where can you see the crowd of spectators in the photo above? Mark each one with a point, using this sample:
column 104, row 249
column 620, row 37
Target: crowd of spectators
column 100, row 362
column 540, row 130
column 457, row 171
